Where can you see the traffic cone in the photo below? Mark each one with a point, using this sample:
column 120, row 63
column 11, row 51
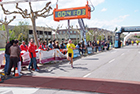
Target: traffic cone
column 1, row 81
column 16, row 73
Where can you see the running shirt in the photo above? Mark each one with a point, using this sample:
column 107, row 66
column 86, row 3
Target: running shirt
column 69, row 47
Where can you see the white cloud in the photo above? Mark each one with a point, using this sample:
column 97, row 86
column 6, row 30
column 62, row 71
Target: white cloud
column 106, row 24
column 104, row 9
column 136, row 10
column 124, row 16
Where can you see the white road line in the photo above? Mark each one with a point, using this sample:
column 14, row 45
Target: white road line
column 122, row 54
column 87, row 75
column 111, row 60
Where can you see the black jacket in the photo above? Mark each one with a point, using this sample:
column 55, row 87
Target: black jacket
column 7, row 48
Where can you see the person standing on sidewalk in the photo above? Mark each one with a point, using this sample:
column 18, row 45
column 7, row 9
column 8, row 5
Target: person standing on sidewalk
column 14, row 56
column 23, row 46
column 7, row 56
column 32, row 54
column 70, row 48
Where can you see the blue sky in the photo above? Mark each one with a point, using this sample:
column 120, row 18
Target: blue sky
column 108, row 14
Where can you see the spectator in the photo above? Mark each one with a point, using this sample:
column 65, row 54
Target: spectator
column 94, row 43
column 53, row 43
column 7, row 55
column 20, row 59
column 83, row 46
column 78, row 46
column 108, row 45
column 23, row 46
column 43, row 46
column 65, row 44
column 56, row 45
column 62, row 45
column 32, row 54
column 50, row 44
column 14, row 57
column 103, row 45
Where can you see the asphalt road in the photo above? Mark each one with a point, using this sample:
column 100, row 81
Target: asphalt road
column 118, row 64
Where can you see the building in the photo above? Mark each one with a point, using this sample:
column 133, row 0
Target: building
column 44, row 33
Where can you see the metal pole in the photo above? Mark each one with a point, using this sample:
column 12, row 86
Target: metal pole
column 69, row 28
column 47, row 37
column 43, row 33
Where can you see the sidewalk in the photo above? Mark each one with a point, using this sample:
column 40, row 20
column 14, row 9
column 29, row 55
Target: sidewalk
column 22, row 90
column 75, row 84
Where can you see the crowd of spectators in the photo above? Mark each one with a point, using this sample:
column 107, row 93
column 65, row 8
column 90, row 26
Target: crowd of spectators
column 97, row 46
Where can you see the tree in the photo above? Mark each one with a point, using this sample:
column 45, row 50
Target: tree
column 55, row 30
column 33, row 15
column 5, row 23
column 22, row 30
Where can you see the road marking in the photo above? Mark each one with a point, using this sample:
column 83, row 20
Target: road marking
column 87, row 75
column 122, row 54
column 111, row 60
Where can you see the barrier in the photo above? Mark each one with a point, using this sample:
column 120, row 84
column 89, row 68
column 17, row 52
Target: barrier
column 64, row 51
column 76, row 53
column 89, row 50
column 44, row 56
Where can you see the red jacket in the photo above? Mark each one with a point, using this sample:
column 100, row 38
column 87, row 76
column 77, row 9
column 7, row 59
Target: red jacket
column 31, row 50
column 42, row 47
column 23, row 47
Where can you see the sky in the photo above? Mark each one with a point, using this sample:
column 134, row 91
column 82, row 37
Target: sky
column 108, row 14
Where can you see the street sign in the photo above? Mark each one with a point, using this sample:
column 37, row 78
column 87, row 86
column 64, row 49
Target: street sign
column 72, row 13
column 19, row 1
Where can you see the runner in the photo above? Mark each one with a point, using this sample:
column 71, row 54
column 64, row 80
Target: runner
column 137, row 42
column 70, row 47
column 132, row 42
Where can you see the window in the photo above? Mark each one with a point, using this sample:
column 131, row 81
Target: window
column 37, row 32
column 63, row 32
column 70, row 31
column 30, row 32
column 74, row 31
column 41, row 32
column 49, row 33
column 45, row 32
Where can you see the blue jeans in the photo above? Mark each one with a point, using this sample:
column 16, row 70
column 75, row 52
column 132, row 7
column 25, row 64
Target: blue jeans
column 33, row 60
column 99, row 48
column 7, row 57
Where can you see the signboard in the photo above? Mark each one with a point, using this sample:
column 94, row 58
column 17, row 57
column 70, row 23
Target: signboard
column 71, row 13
